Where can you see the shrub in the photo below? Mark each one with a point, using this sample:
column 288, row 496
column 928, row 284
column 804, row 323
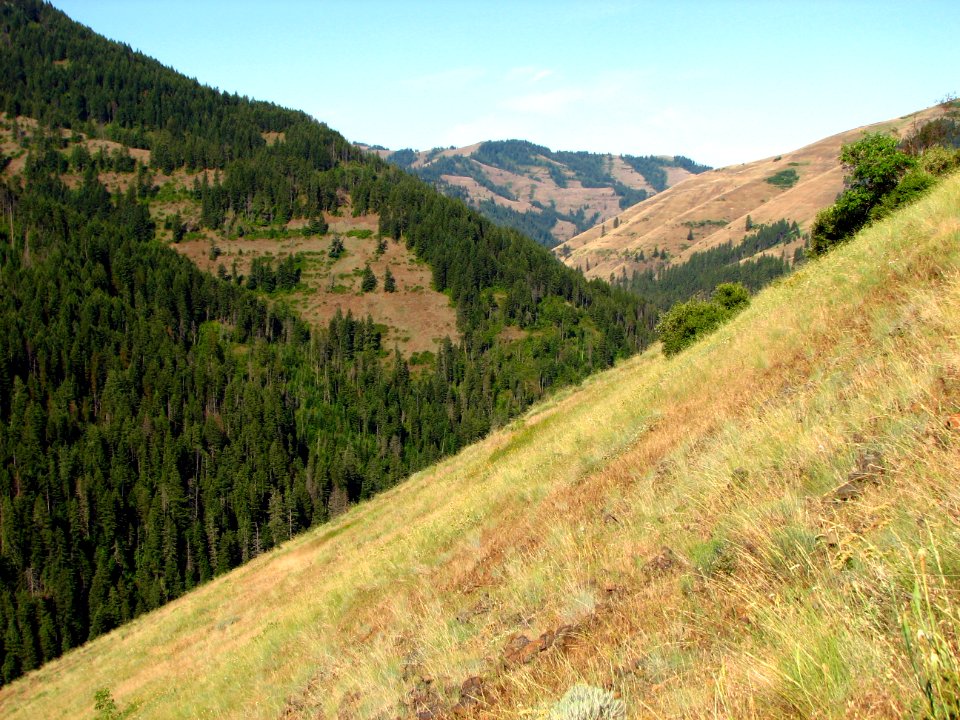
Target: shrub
column 839, row 221
column 585, row 702
column 938, row 160
column 784, row 179
column 105, row 705
column 876, row 168
column 682, row 324
column 914, row 184
column 732, row 297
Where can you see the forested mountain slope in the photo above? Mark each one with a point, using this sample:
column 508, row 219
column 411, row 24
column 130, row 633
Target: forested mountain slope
column 549, row 195
column 762, row 526
column 160, row 425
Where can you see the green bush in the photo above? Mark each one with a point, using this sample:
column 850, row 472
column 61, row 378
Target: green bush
column 105, row 705
column 784, row 179
column 839, row 221
column 732, row 297
column 585, row 702
column 914, row 184
column 877, row 167
column 938, row 160
column 682, row 324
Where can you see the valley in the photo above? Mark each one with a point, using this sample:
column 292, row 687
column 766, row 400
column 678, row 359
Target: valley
column 670, row 530
column 297, row 427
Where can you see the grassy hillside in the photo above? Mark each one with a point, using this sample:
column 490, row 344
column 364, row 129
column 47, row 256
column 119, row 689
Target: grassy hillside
column 159, row 425
column 764, row 526
column 549, row 195
column 712, row 208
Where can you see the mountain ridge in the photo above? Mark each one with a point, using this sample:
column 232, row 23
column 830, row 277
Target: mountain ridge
column 714, row 206
column 548, row 194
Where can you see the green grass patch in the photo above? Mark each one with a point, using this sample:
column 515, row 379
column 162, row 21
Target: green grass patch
column 784, row 179
column 704, row 223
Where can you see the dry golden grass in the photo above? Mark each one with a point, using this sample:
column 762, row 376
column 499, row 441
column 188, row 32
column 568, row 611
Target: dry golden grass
column 726, row 195
column 674, row 519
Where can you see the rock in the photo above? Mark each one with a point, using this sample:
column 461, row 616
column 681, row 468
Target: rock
column 515, row 644
column 520, row 650
column 830, row 538
column 662, row 562
column 471, row 691
column 870, row 464
column 471, row 694
column 869, row 469
column 563, row 636
column 424, row 702
column 534, row 648
column 848, row 491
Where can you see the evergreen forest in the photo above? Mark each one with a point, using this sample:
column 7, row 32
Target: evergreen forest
column 704, row 270
column 160, row 425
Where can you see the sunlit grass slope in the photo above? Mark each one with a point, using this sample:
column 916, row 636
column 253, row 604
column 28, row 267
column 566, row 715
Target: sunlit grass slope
column 671, row 530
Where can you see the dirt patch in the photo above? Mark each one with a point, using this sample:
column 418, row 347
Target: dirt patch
column 416, row 316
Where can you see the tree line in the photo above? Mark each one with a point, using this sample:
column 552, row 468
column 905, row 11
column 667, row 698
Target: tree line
column 158, row 425
column 704, row 270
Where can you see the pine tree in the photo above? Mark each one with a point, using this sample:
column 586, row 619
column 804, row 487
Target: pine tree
column 389, row 283
column 368, row 281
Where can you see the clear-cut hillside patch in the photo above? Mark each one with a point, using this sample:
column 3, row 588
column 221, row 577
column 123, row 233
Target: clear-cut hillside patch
column 416, row 316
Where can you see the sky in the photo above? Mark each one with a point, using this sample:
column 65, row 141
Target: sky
column 721, row 82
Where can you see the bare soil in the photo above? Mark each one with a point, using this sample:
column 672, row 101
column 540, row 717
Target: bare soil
column 416, row 316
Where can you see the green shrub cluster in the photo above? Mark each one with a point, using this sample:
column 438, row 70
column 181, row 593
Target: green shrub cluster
column 882, row 178
column 784, row 179
column 680, row 326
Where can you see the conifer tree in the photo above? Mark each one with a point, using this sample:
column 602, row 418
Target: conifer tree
column 368, row 281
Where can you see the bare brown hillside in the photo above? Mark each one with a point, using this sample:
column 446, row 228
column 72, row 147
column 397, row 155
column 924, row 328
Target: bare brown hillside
column 533, row 184
column 713, row 206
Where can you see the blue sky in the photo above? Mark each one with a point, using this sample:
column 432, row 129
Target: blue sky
column 720, row 82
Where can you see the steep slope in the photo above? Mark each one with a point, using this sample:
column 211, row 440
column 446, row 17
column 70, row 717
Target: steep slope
column 764, row 526
column 160, row 425
column 712, row 208
column 549, row 195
